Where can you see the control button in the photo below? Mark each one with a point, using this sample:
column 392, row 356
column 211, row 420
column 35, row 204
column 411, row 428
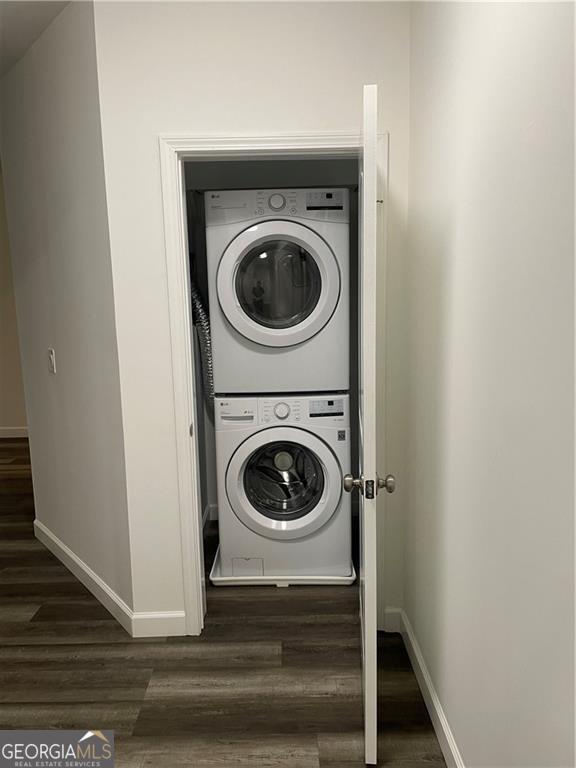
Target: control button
column 293, row 210
column 260, row 211
column 281, row 410
column 277, row 202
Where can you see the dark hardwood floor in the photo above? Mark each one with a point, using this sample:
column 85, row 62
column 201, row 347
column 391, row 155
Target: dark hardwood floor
column 273, row 681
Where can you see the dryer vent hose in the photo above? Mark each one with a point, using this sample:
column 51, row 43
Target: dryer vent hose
column 202, row 322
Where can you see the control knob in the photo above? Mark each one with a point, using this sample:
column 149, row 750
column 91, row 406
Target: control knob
column 277, row 201
column 281, row 410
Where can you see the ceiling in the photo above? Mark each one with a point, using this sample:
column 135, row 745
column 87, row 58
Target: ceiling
column 21, row 23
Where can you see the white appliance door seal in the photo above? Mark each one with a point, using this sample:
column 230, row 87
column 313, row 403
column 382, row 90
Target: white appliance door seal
column 322, row 263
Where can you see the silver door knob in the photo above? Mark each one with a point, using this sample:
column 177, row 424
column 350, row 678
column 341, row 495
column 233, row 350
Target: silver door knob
column 388, row 483
column 349, row 482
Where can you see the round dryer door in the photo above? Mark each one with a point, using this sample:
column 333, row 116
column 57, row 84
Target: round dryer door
column 278, row 283
column 284, row 483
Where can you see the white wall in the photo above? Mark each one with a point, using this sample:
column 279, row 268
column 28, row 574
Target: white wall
column 236, row 68
column 489, row 556
column 12, row 410
column 54, row 175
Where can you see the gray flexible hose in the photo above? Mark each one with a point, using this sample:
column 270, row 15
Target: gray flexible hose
column 202, row 323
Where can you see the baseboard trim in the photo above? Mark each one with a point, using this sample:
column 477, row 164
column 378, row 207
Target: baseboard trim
column 13, row 432
column 437, row 715
column 158, row 623
column 392, row 620
column 136, row 623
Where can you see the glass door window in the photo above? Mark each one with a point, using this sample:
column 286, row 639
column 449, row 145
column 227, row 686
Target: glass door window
column 283, row 481
column 278, row 284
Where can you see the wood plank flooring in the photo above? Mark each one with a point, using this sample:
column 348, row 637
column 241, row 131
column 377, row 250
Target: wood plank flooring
column 273, row 681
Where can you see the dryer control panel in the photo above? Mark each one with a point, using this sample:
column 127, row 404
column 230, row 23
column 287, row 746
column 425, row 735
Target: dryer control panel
column 314, row 410
column 227, row 206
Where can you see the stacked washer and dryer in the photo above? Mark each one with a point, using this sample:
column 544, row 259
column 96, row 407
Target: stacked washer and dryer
column 278, row 280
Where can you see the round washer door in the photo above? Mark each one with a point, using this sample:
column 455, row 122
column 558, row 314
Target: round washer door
column 278, row 283
column 284, row 483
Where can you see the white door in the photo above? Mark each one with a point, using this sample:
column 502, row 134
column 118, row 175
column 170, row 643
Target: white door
column 373, row 175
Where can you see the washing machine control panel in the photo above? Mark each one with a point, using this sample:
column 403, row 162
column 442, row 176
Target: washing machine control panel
column 228, row 206
column 304, row 410
column 280, row 411
column 326, row 408
column 237, row 412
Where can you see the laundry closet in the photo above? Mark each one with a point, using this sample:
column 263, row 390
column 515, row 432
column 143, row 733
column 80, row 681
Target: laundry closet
column 273, row 263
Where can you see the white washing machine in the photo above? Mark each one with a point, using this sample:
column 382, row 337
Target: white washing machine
column 282, row 514
column 278, row 281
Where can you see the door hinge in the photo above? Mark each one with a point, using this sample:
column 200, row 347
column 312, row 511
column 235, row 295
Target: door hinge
column 369, row 489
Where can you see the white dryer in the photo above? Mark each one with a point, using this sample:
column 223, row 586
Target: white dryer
column 278, row 281
column 282, row 516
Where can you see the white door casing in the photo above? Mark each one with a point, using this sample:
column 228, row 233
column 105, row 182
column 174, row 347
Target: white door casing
column 372, row 149
column 174, row 150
